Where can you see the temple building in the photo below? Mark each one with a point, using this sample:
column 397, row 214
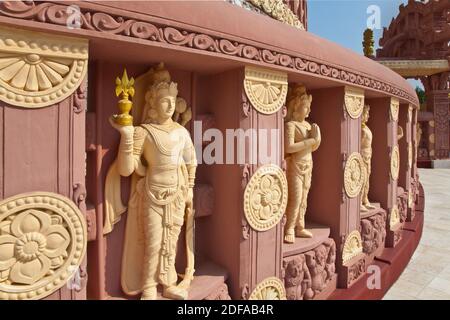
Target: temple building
column 113, row 114
column 417, row 45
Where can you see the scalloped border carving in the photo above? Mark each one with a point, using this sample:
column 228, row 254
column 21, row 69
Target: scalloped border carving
column 352, row 246
column 254, row 185
column 39, row 69
column 354, row 168
column 395, row 163
column 266, row 89
column 75, row 222
column 270, row 288
column 354, row 102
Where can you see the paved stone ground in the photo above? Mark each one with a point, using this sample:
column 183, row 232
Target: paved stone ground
column 427, row 276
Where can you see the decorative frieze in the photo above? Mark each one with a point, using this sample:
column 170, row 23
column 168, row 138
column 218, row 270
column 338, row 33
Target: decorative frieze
column 373, row 232
column 266, row 89
column 38, row 69
column 307, row 275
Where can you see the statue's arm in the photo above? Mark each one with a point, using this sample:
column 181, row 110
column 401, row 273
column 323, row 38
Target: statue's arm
column 290, row 145
column 318, row 140
column 130, row 151
column 190, row 159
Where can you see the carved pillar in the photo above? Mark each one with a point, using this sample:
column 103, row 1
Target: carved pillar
column 339, row 175
column 383, row 121
column 437, row 90
column 260, row 248
column 43, row 90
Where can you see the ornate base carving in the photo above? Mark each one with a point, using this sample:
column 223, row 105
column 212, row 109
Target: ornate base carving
column 352, row 271
column 373, row 233
column 311, row 274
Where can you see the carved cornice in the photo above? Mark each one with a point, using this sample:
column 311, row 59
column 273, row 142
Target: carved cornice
column 39, row 69
column 352, row 246
column 97, row 21
column 266, row 89
column 354, row 102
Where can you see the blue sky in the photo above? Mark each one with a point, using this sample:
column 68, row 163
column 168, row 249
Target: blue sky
column 344, row 21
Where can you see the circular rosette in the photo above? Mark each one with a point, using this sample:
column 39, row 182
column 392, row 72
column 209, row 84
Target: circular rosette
column 354, row 175
column 42, row 244
column 265, row 198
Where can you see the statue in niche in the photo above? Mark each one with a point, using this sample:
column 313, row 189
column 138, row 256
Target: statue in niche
column 366, row 153
column 301, row 140
column 159, row 154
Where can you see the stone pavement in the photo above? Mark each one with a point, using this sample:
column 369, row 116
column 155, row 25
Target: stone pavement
column 427, row 276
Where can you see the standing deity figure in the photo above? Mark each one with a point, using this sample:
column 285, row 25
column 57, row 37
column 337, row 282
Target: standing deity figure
column 301, row 139
column 366, row 152
column 160, row 156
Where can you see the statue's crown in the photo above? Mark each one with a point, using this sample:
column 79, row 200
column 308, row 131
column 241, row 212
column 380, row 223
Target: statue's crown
column 164, row 89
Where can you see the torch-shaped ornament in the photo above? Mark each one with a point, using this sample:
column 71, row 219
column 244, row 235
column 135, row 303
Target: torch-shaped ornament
column 124, row 90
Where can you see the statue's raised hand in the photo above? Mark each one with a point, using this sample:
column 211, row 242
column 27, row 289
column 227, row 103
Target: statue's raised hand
column 123, row 130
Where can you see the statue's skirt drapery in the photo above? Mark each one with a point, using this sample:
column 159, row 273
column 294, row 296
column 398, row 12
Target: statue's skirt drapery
column 151, row 237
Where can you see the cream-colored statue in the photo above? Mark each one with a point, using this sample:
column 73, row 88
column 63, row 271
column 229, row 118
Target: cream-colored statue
column 160, row 156
column 366, row 153
column 301, row 139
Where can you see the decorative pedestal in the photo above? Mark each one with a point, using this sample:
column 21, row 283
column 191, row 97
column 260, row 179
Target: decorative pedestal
column 309, row 266
column 373, row 232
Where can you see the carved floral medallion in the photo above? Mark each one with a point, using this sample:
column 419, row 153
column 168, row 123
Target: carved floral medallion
column 354, row 102
column 354, row 175
column 37, row 69
column 394, row 109
column 265, row 197
column 269, row 289
column 352, row 246
column 265, row 89
column 395, row 163
column 42, row 243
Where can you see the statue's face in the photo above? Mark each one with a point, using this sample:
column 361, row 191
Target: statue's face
column 365, row 116
column 303, row 107
column 166, row 106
